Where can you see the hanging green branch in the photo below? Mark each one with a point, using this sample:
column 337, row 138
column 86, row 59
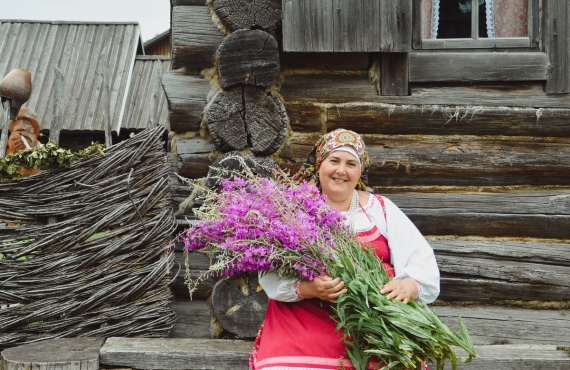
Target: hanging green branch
column 46, row 155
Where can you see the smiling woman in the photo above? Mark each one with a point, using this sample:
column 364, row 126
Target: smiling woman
column 298, row 331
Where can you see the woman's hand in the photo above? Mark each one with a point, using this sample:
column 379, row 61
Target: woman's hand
column 322, row 287
column 401, row 290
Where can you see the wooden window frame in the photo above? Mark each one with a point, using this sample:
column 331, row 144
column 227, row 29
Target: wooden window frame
column 475, row 42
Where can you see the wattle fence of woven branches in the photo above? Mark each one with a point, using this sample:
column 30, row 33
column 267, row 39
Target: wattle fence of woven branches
column 84, row 250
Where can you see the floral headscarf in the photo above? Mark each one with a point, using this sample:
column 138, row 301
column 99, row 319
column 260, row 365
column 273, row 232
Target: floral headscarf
column 325, row 146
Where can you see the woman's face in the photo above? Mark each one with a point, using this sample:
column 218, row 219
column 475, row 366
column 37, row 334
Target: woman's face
column 339, row 173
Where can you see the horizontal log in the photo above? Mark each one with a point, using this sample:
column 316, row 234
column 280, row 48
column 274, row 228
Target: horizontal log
column 195, row 145
column 443, row 66
column 467, row 161
column 195, row 166
column 154, row 353
column 519, row 357
column 193, row 319
column 195, row 39
column 188, row 2
column 357, row 88
column 304, row 118
column 186, row 96
column 508, row 325
column 538, row 214
column 389, row 119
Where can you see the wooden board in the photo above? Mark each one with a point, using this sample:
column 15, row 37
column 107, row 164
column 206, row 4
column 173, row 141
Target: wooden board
column 195, row 39
column 347, row 25
column 471, row 161
column 357, row 88
column 394, row 74
column 440, row 66
column 304, row 118
column 198, row 264
column 389, row 119
column 507, row 325
column 557, row 46
column 186, row 97
column 71, row 353
column 193, row 319
column 141, row 353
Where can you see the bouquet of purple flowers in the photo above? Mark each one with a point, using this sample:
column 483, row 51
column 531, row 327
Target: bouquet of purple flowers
column 259, row 224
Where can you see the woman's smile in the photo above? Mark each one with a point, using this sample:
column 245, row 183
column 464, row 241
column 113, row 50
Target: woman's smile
column 339, row 173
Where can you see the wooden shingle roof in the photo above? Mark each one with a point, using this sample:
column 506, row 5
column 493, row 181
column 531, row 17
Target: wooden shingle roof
column 76, row 49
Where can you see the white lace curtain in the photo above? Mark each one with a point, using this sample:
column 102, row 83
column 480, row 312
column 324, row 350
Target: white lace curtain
column 504, row 18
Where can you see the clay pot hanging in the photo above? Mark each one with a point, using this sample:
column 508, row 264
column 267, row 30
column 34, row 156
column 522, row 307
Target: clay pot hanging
column 17, row 86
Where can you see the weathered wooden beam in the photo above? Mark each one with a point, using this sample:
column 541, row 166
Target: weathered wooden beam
column 72, row 354
column 489, row 325
column 469, row 161
column 57, row 123
column 357, row 88
column 557, row 16
column 539, row 214
column 308, row 25
column 390, row 119
column 304, row 118
column 443, row 66
column 195, row 39
column 140, row 353
column 198, row 264
column 193, row 319
column 186, row 96
column 5, row 126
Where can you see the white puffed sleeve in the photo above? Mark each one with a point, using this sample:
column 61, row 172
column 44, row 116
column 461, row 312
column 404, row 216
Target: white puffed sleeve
column 279, row 288
column 411, row 254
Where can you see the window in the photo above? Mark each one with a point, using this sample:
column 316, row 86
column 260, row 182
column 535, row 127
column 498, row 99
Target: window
column 475, row 23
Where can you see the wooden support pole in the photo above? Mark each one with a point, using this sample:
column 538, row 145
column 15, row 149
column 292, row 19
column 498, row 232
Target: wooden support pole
column 57, row 122
column 105, row 98
column 5, row 127
column 154, row 108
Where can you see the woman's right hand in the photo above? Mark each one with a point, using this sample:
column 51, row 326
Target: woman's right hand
column 322, row 287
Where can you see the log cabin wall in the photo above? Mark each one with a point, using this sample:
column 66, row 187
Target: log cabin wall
column 471, row 144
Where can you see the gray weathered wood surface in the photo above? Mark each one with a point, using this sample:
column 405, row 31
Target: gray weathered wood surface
column 472, row 161
column 193, row 319
column 195, row 39
column 186, row 97
column 357, row 88
column 57, row 123
column 537, row 213
column 249, row 14
column 5, row 125
column 557, row 44
column 141, row 353
column 305, row 118
column 248, row 57
column 347, row 25
column 517, row 357
column 198, row 264
column 244, row 116
column 69, row 354
column 507, row 325
column 305, row 62
column 390, row 119
column 496, row 272
column 394, row 75
column 439, row 66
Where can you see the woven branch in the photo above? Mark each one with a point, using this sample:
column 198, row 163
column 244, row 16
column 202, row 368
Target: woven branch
column 95, row 271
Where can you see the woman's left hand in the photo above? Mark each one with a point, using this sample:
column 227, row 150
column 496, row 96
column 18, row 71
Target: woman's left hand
column 401, row 290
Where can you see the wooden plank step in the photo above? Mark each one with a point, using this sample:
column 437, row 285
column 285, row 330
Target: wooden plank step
column 147, row 353
column 232, row 354
column 56, row 354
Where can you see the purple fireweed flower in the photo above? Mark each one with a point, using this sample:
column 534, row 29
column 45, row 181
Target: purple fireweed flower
column 260, row 225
